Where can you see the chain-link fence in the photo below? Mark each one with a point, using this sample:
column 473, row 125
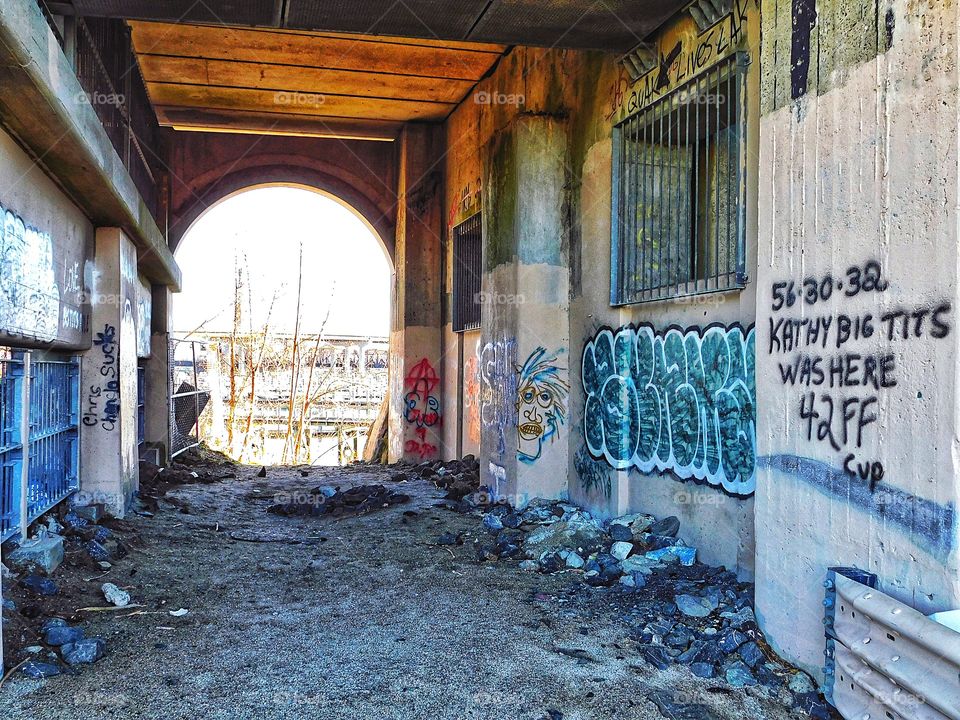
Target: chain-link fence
column 190, row 393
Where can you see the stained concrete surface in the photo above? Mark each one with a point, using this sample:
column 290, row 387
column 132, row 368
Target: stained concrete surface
column 362, row 617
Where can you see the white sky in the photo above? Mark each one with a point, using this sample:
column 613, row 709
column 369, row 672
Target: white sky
column 345, row 268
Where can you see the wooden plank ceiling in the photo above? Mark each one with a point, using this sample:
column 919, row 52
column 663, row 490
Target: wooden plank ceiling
column 326, row 84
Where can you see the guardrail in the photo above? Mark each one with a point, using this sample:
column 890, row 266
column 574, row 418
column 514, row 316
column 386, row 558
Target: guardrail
column 39, row 402
column 884, row 659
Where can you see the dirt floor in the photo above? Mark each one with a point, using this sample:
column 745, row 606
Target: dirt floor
column 356, row 617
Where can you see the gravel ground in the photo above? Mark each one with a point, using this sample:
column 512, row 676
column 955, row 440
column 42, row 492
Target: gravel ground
column 362, row 617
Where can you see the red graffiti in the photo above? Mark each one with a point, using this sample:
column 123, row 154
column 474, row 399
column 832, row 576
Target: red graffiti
column 419, row 446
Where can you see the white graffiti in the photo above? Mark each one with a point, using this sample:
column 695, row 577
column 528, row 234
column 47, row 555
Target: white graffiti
column 29, row 296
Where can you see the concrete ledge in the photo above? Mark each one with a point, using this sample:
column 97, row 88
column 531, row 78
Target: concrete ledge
column 41, row 105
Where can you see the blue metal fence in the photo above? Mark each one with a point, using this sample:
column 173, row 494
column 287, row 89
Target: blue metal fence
column 50, row 418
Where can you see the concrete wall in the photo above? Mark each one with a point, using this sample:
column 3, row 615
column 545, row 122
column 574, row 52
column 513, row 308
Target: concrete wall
column 45, row 262
column 555, row 203
column 857, row 381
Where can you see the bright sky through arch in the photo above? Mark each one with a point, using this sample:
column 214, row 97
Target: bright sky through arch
column 345, row 268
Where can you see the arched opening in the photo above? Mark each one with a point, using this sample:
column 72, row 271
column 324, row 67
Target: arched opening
column 281, row 330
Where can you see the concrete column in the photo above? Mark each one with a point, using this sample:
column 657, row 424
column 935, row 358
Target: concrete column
column 415, row 341
column 524, row 355
column 108, row 397
column 157, row 401
column 857, row 287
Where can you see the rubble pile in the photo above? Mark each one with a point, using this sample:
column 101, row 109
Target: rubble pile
column 693, row 615
column 156, row 482
column 326, row 500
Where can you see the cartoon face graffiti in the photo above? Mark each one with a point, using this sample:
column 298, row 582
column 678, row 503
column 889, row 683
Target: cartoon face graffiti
column 422, row 407
column 541, row 404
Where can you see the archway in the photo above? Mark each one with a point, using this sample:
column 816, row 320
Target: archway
column 284, row 321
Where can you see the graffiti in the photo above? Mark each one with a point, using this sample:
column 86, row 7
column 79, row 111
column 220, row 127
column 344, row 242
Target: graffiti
column 421, row 407
column 541, row 404
column 683, row 62
column 498, row 388
column 419, row 446
column 144, row 316
column 29, row 296
column 822, row 355
column 471, row 396
column 466, row 202
column 678, row 401
column 594, row 476
column 103, row 400
column 928, row 523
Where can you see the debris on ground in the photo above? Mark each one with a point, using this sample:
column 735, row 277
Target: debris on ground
column 326, row 500
column 114, row 595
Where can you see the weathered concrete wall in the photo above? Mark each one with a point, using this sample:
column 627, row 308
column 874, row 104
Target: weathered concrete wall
column 47, row 248
column 857, row 278
column 590, row 94
column 108, row 379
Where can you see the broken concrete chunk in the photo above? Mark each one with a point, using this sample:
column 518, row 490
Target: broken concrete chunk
column 693, row 606
column 620, row 550
column 114, row 595
column 45, row 553
column 84, row 652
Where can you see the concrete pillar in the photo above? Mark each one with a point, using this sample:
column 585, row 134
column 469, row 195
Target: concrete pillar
column 415, row 338
column 157, row 401
column 108, row 397
column 524, row 346
column 857, row 338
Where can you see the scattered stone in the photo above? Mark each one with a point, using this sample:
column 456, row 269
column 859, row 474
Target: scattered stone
column 62, row 635
column 45, row 553
column 801, row 684
column 512, row 520
column 580, row 535
column 492, row 523
column 104, row 565
column 97, row 552
column 40, row 585
column 751, row 654
column 448, row 538
column 529, row 565
column 325, row 500
column 703, row 669
column 665, row 702
column 731, row 640
column 814, row 705
column 620, row 533
column 667, row 527
column 39, row 670
column 114, row 595
column 93, row 513
column 686, row 556
column 637, row 564
column 739, row 675
column 741, row 617
column 262, row 472
column 693, row 606
column 574, row 561
column 620, row 550
column 656, row 656
column 84, row 652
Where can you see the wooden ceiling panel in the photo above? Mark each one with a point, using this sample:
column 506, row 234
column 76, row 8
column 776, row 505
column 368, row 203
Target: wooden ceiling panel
column 223, row 73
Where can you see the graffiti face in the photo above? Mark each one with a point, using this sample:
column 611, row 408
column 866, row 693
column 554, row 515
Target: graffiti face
column 677, row 401
column 541, row 401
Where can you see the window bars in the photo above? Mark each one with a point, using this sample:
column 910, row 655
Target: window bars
column 679, row 191
column 39, row 400
column 467, row 270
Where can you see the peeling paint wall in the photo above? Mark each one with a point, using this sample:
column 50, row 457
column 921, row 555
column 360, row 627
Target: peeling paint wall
column 857, row 298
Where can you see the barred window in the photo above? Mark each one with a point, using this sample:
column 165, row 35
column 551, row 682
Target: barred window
column 467, row 269
column 680, row 192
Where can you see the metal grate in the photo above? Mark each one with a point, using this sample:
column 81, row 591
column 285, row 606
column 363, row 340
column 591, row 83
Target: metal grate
column 467, row 252
column 43, row 398
column 680, row 192
column 188, row 399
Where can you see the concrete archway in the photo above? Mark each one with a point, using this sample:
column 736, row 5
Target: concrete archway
column 206, row 168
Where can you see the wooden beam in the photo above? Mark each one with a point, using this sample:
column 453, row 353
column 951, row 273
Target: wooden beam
column 295, row 103
column 262, row 123
column 319, row 51
column 222, row 73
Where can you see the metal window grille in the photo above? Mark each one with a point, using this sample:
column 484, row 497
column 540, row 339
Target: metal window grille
column 467, row 267
column 188, row 398
column 141, row 404
column 40, row 400
column 680, row 191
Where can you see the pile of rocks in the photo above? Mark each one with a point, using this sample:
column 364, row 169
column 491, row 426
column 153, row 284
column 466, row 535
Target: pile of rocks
column 459, row 478
column 74, row 649
column 694, row 615
column 326, row 500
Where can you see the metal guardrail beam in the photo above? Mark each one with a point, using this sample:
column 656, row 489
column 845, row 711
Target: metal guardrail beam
column 886, row 660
